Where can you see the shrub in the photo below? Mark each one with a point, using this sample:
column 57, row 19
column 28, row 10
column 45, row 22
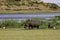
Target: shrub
column 10, row 24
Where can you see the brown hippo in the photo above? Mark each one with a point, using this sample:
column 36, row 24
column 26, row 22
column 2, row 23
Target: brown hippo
column 31, row 25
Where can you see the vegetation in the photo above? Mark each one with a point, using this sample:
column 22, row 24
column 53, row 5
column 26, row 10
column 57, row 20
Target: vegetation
column 27, row 6
column 10, row 24
column 57, row 17
column 21, row 34
column 14, row 32
column 43, row 23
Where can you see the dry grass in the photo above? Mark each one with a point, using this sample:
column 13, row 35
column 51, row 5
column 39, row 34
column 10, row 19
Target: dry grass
column 36, row 34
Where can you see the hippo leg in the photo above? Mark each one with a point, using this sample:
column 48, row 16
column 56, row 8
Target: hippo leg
column 37, row 27
column 32, row 27
column 29, row 27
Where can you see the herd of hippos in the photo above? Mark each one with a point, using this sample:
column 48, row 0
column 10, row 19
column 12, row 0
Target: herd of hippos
column 34, row 24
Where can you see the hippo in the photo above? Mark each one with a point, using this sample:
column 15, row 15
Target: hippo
column 50, row 26
column 31, row 25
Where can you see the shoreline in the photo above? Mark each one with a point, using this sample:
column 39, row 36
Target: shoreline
column 23, row 12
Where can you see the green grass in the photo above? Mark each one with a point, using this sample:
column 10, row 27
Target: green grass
column 28, row 12
column 35, row 34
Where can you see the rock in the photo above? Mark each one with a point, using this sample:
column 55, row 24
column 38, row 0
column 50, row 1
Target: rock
column 54, row 27
column 4, row 28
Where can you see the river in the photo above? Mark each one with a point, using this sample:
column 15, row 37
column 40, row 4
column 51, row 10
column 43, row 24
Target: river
column 27, row 16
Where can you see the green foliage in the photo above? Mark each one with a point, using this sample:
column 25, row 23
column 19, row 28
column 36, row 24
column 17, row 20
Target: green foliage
column 57, row 17
column 43, row 23
column 10, row 24
column 54, row 6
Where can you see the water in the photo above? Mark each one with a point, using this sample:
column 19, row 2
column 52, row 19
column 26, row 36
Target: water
column 27, row 16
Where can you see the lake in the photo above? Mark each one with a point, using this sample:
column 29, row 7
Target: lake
column 27, row 16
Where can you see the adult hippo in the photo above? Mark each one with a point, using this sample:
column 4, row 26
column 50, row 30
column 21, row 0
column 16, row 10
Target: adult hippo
column 31, row 25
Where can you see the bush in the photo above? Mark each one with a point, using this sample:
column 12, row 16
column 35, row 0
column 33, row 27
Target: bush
column 10, row 24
